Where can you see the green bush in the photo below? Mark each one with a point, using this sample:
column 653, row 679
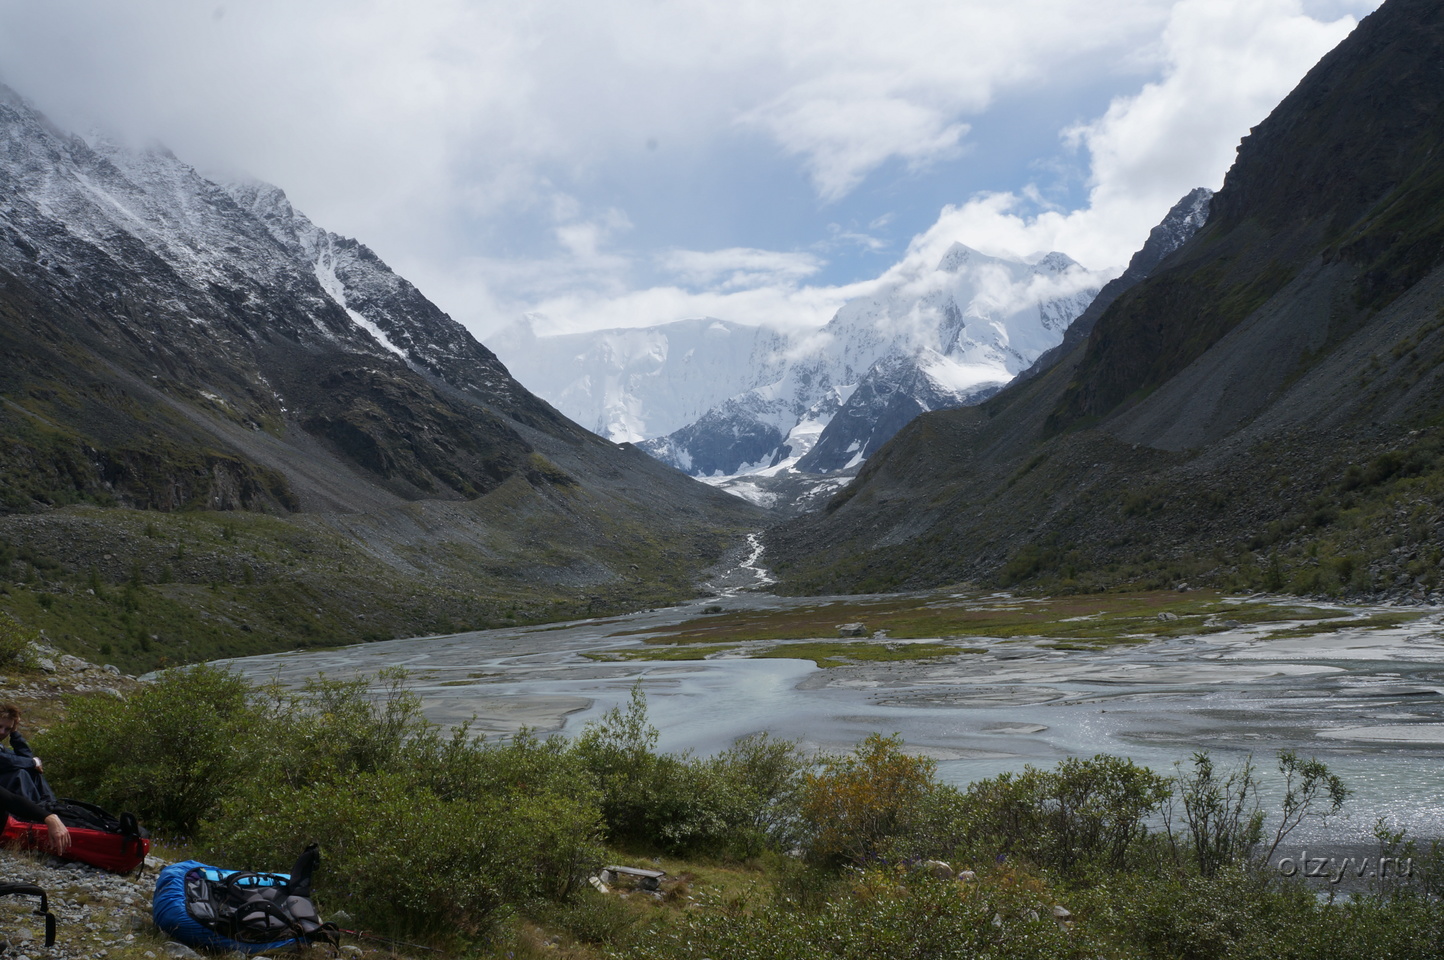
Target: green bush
column 1083, row 814
column 331, row 729
column 408, row 861
column 16, row 650
column 857, row 808
column 169, row 753
column 419, row 832
column 881, row 915
column 595, row 918
column 734, row 804
column 764, row 776
column 1242, row 914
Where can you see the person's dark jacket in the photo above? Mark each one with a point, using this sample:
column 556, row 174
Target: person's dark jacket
column 17, row 770
column 21, row 808
column 19, row 756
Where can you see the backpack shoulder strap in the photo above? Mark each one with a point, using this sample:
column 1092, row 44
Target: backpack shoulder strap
column 306, row 863
column 31, row 890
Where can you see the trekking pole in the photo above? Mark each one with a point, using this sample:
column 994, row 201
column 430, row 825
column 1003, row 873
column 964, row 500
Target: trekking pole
column 391, row 940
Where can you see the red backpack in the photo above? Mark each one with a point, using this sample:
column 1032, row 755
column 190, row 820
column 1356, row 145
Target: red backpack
column 117, row 844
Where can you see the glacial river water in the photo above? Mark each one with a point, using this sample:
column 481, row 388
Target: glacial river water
column 1368, row 702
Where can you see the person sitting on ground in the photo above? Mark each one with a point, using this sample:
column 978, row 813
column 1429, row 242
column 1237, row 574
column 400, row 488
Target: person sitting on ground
column 22, row 808
column 20, row 769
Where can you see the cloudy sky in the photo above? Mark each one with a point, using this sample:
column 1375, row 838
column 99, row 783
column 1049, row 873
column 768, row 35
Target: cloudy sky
column 624, row 162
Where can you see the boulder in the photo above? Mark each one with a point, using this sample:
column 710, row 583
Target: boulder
column 851, row 630
column 939, row 869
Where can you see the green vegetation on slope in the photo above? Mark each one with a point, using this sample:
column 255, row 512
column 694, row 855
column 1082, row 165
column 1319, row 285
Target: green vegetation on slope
column 144, row 589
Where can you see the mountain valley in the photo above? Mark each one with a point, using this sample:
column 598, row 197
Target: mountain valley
column 225, row 429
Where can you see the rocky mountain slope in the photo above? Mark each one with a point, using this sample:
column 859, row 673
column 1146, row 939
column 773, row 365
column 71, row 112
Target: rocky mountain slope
column 178, row 344
column 1181, row 222
column 1264, row 410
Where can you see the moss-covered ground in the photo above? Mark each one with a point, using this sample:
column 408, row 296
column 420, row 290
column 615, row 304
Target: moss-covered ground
column 946, row 623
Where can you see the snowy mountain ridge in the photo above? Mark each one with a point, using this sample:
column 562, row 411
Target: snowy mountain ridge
column 716, row 398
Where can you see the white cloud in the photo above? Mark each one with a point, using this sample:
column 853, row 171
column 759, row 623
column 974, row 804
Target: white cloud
column 1229, row 62
column 782, row 307
column 739, row 268
column 843, row 139
column 434, row 130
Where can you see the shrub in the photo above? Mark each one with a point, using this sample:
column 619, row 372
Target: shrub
column 882, row 914
column 407, row 861
column 16, row 644
column 854, row 808
column 338, row 728
column 168, row 753
column 1082, row 814
column 765, row 777
column 616, row 752
column 733, row 804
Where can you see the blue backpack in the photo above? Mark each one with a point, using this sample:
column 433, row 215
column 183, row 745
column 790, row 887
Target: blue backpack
column 205, row 906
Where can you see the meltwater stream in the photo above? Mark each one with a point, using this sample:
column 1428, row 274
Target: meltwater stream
column 1368, row 702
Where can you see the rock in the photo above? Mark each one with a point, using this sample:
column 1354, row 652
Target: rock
column 73, row 663
column 598, row 885
column 46, row 664
column 967, row 876
column 351, row 950
column 1061, row 912
column 111, row 669
column 1166, row 616
column 939, row 869
column 180, row 950
column 879, row 635
column 851, row 630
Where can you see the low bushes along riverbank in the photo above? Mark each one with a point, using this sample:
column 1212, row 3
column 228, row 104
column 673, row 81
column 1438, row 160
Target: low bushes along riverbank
column 486, row 848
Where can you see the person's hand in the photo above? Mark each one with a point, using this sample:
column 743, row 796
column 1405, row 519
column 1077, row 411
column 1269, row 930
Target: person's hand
column 38, row 767
column 59, row 834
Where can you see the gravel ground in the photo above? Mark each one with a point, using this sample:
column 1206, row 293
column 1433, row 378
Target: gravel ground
column 98, row 914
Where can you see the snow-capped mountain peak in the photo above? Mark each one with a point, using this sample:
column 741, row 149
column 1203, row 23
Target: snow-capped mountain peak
column 713, row 397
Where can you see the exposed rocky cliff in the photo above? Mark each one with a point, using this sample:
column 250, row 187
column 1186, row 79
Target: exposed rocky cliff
column 1264, row 410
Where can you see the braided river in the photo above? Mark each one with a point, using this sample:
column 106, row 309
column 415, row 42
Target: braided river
column 1369, row 702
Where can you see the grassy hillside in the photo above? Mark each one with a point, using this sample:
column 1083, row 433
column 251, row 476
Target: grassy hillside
column 143, row 589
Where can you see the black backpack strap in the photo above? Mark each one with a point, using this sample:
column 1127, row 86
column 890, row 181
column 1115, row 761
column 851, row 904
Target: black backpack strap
column 31, row 890
column 131, row 834
column 306, row 863
column 251, row 933
column 247, row 880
